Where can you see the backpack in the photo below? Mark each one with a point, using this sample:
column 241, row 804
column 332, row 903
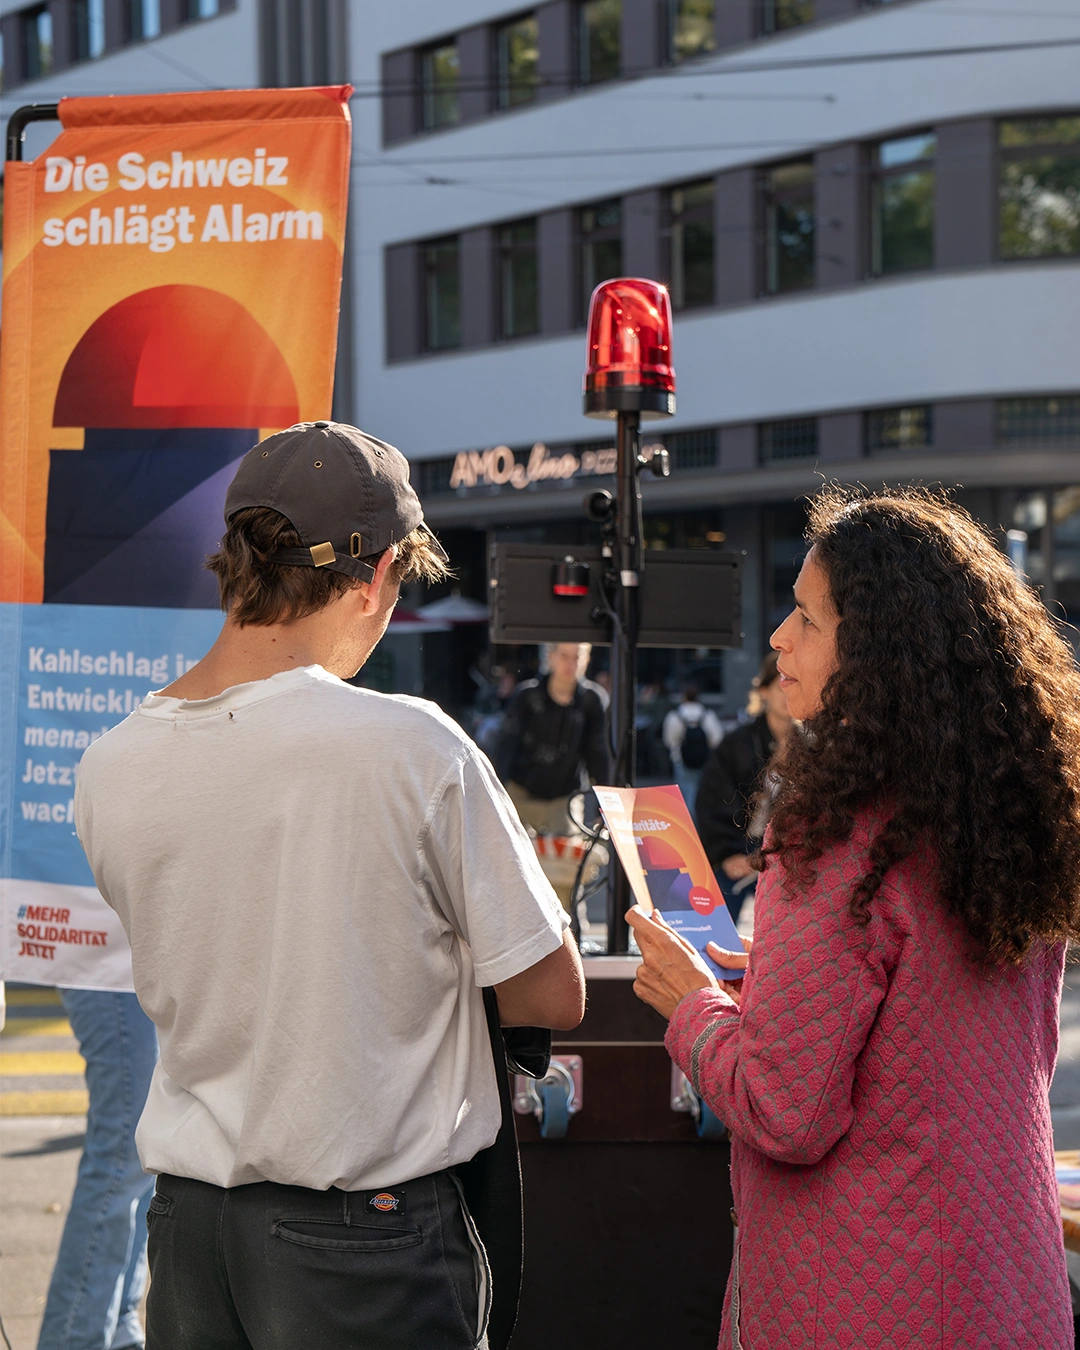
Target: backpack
column 695, row 745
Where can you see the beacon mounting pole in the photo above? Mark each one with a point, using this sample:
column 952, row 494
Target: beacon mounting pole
column 629, row 375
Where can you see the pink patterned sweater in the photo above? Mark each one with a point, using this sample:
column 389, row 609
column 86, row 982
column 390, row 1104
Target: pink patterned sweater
column 892, row 1161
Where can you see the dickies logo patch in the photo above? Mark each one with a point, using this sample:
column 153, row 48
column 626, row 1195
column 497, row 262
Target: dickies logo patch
column 386, row 1202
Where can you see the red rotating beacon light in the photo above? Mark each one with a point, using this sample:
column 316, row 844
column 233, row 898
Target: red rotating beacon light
column 629, row 361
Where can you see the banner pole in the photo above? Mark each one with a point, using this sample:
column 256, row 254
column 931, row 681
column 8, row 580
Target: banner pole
column 20, row 119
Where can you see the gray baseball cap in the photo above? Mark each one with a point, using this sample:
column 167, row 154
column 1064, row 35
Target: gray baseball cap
column 345, row 493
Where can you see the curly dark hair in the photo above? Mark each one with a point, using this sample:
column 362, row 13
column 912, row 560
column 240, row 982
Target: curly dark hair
column 954, row 709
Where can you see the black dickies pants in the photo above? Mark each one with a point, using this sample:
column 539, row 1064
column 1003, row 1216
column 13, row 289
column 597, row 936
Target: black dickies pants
column 269, row 1267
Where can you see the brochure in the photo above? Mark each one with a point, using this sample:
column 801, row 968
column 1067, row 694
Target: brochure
column 665, row 862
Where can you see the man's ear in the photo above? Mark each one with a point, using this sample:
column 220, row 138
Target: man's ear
column 373, row 589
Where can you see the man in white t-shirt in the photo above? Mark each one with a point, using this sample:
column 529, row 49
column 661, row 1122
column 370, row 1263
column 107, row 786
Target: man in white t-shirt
column 316, row 881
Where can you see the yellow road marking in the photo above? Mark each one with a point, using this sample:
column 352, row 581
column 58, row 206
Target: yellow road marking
column 25, row 1062
column 75, row 1102
column 30, row 998
column 37, row 1026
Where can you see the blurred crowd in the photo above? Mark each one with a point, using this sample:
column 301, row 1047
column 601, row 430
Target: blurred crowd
column 548, row 737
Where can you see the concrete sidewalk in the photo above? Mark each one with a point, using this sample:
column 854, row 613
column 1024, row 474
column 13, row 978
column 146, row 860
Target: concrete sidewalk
column 39, row 1156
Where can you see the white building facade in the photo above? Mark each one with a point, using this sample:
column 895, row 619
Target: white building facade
column 868, row 215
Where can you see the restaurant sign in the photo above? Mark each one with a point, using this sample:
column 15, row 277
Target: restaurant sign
column 501, row 466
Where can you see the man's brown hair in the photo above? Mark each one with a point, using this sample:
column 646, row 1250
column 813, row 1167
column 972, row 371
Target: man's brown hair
column 257, row 591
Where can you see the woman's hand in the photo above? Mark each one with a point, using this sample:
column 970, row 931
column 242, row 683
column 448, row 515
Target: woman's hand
column 731, row 961
column 670, row 968
column 736, row 867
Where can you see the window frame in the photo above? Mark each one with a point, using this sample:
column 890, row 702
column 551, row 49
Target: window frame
column 428, row 94
column 1030, row 441
column 877, row 175
column 771, row 196
column 768, row 456
column 137, row 31
column 429, row 273
column 83, row 26
column 876, row 446
column 506, row 250
column 502, row 80
column 673, row 221
column 767, row 17
column 583, row 77
column 30, row 40
column 1017, row 154
column 587, row 238
column 671, row 22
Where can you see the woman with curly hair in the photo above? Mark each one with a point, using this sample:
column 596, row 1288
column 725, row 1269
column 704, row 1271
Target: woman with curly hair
column 885, row 1069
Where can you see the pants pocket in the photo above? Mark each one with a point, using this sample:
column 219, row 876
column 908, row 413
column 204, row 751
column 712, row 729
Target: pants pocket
column 160, row 1207
column 332, row 1236
column 480, row 1264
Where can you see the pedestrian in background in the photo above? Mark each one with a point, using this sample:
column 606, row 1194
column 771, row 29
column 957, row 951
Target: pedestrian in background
column 731, row 826
column 690, row 732
column 554, row 740
column 316, row 881
column 885, row 1068
column 99, row 1278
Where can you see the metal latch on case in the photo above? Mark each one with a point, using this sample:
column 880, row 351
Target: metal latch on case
column 553, row 1099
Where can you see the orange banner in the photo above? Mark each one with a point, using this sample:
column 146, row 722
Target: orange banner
column 172, row 278
column 172, row 274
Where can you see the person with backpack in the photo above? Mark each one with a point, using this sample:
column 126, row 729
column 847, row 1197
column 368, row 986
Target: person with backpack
column 691, row 732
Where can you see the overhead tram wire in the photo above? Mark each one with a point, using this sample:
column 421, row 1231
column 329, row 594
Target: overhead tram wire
column 381, row 89
column 412, row 87
column 780, row 152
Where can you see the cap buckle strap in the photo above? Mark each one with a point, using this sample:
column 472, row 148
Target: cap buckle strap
column 324, row 555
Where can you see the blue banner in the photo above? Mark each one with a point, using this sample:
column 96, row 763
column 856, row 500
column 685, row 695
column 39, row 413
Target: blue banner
column 68, row 674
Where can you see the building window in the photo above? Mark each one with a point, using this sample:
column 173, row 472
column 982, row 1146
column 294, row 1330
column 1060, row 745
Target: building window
column 599, row 248
column 143, row 19
column 517, row 55
column 431, row 476
column 693, row 449
column 909, row 428
column 1047, row 421
column 776, row 15
column 442, row 294
column 793, row 438
column 1039, row 187
column 902, row 204
column 87, row 29
column 691, row 29
column 519, row 295
column 439, row 106
column 37, row 36
column 598, row 24
column 203, row 9
column 690, row 234
column 787, row 213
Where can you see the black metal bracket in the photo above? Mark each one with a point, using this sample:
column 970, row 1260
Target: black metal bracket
column 20, row 119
